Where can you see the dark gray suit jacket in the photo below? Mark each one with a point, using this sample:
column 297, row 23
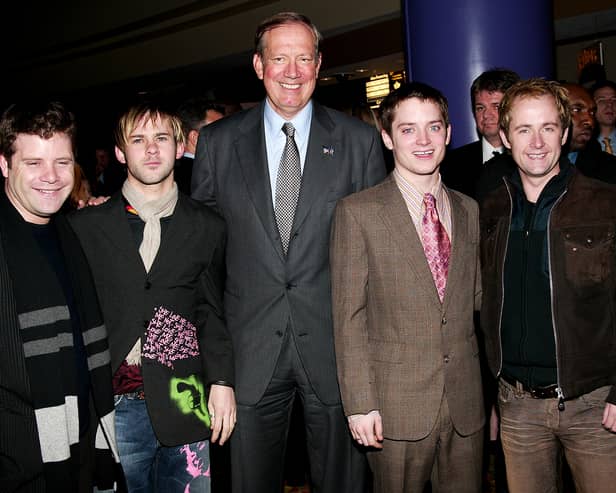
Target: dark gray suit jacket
column 265, row 292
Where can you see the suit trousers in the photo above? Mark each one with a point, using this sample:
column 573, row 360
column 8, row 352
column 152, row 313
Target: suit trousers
column 259, row 440
column 451, row 462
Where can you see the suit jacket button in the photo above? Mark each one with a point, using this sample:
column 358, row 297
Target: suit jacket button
column 444, row 321
column 148, row 285
column 446, row 359
column 279, row 333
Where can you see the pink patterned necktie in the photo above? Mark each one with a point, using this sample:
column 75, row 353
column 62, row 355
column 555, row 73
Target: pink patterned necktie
column 436, row 244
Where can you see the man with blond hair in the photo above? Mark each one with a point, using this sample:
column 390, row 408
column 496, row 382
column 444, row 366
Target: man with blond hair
column 157, row 259
column 548, row 236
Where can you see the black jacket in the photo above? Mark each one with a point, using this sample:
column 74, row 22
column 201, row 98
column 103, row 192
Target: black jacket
column 186, row 280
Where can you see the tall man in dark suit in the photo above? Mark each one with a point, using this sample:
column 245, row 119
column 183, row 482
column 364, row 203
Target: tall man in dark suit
column 157, row 258
column 462, row 166
column 405, row 284
column 277, row 193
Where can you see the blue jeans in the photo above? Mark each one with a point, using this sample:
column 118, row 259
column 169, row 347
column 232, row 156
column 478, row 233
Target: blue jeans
column 151, row 467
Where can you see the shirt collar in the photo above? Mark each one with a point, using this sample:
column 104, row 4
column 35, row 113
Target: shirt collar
column 437, row 189
column 301, row 121
column 487, row 150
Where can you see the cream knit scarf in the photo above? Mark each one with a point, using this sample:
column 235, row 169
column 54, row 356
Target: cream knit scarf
column 150, row 213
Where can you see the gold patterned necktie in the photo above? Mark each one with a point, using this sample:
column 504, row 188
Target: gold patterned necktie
column 608, row 145
column 288, row 182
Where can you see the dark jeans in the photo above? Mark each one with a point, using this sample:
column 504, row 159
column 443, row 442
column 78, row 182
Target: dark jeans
column 151, row 467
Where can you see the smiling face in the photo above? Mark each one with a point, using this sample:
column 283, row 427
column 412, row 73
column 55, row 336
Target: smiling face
column 149, row 154
column 288, row 68
column 40, row 176
column 418, row 140
column 486, row 115
column 535, row 137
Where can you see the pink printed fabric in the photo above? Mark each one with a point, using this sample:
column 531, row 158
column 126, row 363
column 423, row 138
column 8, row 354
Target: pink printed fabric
column 436, row 244
column 170, row 337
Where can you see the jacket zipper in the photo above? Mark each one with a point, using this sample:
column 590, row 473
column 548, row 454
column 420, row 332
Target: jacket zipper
column 502, row 304
column 559, row 390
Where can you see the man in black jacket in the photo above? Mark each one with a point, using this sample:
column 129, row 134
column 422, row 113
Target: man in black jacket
column 548, row 236
column 462, row 166
column 158, row 262
column 54, row 358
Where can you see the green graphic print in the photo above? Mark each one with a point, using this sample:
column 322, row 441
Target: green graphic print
column 189, row 395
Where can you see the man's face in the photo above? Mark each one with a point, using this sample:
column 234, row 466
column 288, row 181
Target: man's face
column 150, row 155
column 606, row 106
column 486, row 114
column 288, row 68
column 418, row 138
column 582, row 113
column 535, row 136
column 41, row 175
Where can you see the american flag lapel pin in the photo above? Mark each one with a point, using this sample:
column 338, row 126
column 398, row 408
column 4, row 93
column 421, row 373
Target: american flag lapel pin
column 328, row 151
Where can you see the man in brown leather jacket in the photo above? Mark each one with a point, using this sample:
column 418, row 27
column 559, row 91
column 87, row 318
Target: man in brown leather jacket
column 549, row 283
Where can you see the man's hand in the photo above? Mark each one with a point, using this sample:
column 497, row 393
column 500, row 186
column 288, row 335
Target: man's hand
column 221, row 406
column 367, row 429
column 92, row 201
column 609, row 417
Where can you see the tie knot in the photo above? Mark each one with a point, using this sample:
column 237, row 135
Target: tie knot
column 429, row 201
column 288, row 129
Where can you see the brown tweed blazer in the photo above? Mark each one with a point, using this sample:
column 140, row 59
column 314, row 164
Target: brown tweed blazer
column 398, row 349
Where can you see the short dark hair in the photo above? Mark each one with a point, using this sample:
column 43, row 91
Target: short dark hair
column 601, row 84
column 418, row 90
column 193, row 111
column 44, row 119
column 283, row 18
column 494, row 80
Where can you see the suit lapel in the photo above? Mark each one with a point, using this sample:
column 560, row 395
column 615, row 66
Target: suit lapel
column 320, row 165
column 252, row 157
column 396, row 217
column 459, row 222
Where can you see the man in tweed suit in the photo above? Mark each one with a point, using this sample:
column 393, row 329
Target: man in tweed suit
column 405, row 283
